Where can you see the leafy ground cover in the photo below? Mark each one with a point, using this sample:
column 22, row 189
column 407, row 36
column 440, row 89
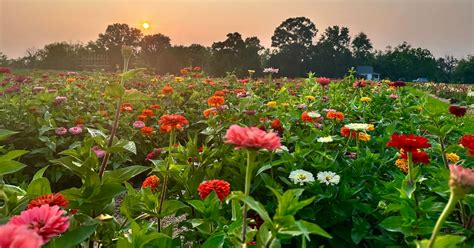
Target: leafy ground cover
column 105, row 159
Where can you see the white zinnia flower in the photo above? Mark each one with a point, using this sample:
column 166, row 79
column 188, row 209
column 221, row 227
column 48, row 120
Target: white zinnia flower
column 328, row 177
column 358, row 126
column 301, row 177
column 314, row 114
column 282, row 149
column 470, row 93
column 270, row 70
column 327, row 139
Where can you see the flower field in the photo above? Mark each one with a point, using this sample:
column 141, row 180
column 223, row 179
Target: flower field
column 95, row 159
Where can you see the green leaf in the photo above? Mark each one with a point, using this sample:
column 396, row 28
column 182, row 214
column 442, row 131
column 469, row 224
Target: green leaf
column 96, row 133
column 40, row 172
column 115, row 90
column 137, row 96
column 12, row 155
column 73, row 237
column 253, row 204
column 10, row 166
column 215, row 241
column 360, row 228
column 434, row 130
column 131, row 73
column 171, row 207
column 393, row 224
column 39, row 186
column 442, row 241
column 5, row 134
column 124, row 174
column 311, row 228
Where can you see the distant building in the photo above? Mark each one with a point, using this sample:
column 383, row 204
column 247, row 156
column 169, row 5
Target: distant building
column 367, row 72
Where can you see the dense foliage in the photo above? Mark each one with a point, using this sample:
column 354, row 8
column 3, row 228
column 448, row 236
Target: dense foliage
column 139, row 160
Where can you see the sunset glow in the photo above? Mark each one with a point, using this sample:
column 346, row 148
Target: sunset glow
column 146, row 25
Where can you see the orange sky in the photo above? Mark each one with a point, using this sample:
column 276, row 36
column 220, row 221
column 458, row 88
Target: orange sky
column 442, row 26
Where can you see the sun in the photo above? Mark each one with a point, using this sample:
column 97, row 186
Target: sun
column 146, row 25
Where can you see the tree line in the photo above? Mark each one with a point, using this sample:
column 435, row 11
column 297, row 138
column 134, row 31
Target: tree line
column 294, row 50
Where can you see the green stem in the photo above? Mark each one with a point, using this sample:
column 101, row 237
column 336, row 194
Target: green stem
column 248, row 179
column 165, row 180
column 443, row 152
column 105, row 160
column 410, row 168
column 447, row 210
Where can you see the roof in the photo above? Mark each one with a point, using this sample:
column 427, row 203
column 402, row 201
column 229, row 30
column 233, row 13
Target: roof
column 365, row 69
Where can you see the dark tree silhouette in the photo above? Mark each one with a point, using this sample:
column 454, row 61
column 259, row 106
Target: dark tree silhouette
column 153, row 48
column 362, row 49
column 115, row 36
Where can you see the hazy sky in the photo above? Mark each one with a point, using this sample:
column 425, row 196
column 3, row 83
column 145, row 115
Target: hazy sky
column 446, row 27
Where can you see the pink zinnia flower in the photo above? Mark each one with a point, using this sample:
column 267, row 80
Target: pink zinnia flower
column 47, row 221
column 75, row 130
column 252, row 137
column 323, row 81
column 139, row 124
column 61, row 131
column 15, row 236
column 98, row 152
column 461, row 179
column 60, row 99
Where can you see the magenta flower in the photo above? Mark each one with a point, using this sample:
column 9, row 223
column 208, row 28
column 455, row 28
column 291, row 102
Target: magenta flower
column 393, row 96
column 47, row 221
column 60, row 99
column 153, row 154
column 98, row 152
column 139, row 124
column 61, row 131
column 19, row 236
column 75, row 130
column 252, row 137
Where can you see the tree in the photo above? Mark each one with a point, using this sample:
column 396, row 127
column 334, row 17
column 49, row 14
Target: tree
column 153, row 48
column 59, row 55
column 115, row 36
column 3, row 59
column 331, row 57
column 446, row 67
column 293, row 39
column 465, row 70
column 361, row 49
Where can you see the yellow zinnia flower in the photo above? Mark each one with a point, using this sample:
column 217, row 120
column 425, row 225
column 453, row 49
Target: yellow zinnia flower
column 310, row 98
column 402, row 164
column 271, row 104
column 452, row 157
column 364, row 137
column 365, row 99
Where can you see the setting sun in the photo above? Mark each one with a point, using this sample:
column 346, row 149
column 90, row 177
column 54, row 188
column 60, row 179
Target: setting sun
column 146, row 25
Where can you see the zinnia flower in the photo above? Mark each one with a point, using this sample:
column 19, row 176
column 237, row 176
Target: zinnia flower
column 310, row 116
column 346, row 132
column 452, row 157
column 167, row 89
column 468, row 142
column 60, row 99
column 19, row 236
column 327, row 139
column 457, row 111
column 365, row 99
column 301, row 177
column 75, row 130
column 206, row 113
column 364, row 136
column 215, row 101
column 155, row 106
column 6, row 70
column 418, row 157
column 98, row 152
column 147, row 112
column 461, row 179
column 409, row 143
column 47, row 221
column 53, row 199
column 153, row 154
column 139, row 124
column 358, row 126
column 323, row 81
column 271, row 104
column 148, row 131
column 61, row 131
column 151, row 182
column 172, row 122
column 328, row 177
column 270, row 70
column 252, row 137
column 398, row 83
column 126, row 107
column 359, row 84
column 335, row 115
column 221, row 187
column 402, row 164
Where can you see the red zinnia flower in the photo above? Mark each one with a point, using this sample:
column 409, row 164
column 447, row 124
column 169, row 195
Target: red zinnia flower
column 155, row 106
column 167, row 89
column 154, row 154
column 418, row 157
column 359, row 84
column 7, row 70
column 458, row 111
column 147, row 112
column 148, row 131
column 468, row 141
column 221, row 187
column 219, row 93
column 215, row 101
column 346, row 132
column 409, row 143
column 306, row 118
column 335, row 115
column 208, row 112
column 126, row 107
column 54, row 199
column 19, row 236
column 398, row 84
column 172, row 122
column 141, row 118
column 151, row 182
column 323, row 81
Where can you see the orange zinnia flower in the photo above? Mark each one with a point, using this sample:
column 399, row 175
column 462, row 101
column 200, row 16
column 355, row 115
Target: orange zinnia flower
column 155, row 106
column 126, row 107
column 209, row 111
column 147, row 112
column 167, row 89
column 148, row 131
column 142, row 117
column 335, row 115
column 172, row 122
column 346, row 132
column 219, row 93
column 215, row 101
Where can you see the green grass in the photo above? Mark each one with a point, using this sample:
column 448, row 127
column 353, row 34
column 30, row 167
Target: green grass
column 439, row 107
